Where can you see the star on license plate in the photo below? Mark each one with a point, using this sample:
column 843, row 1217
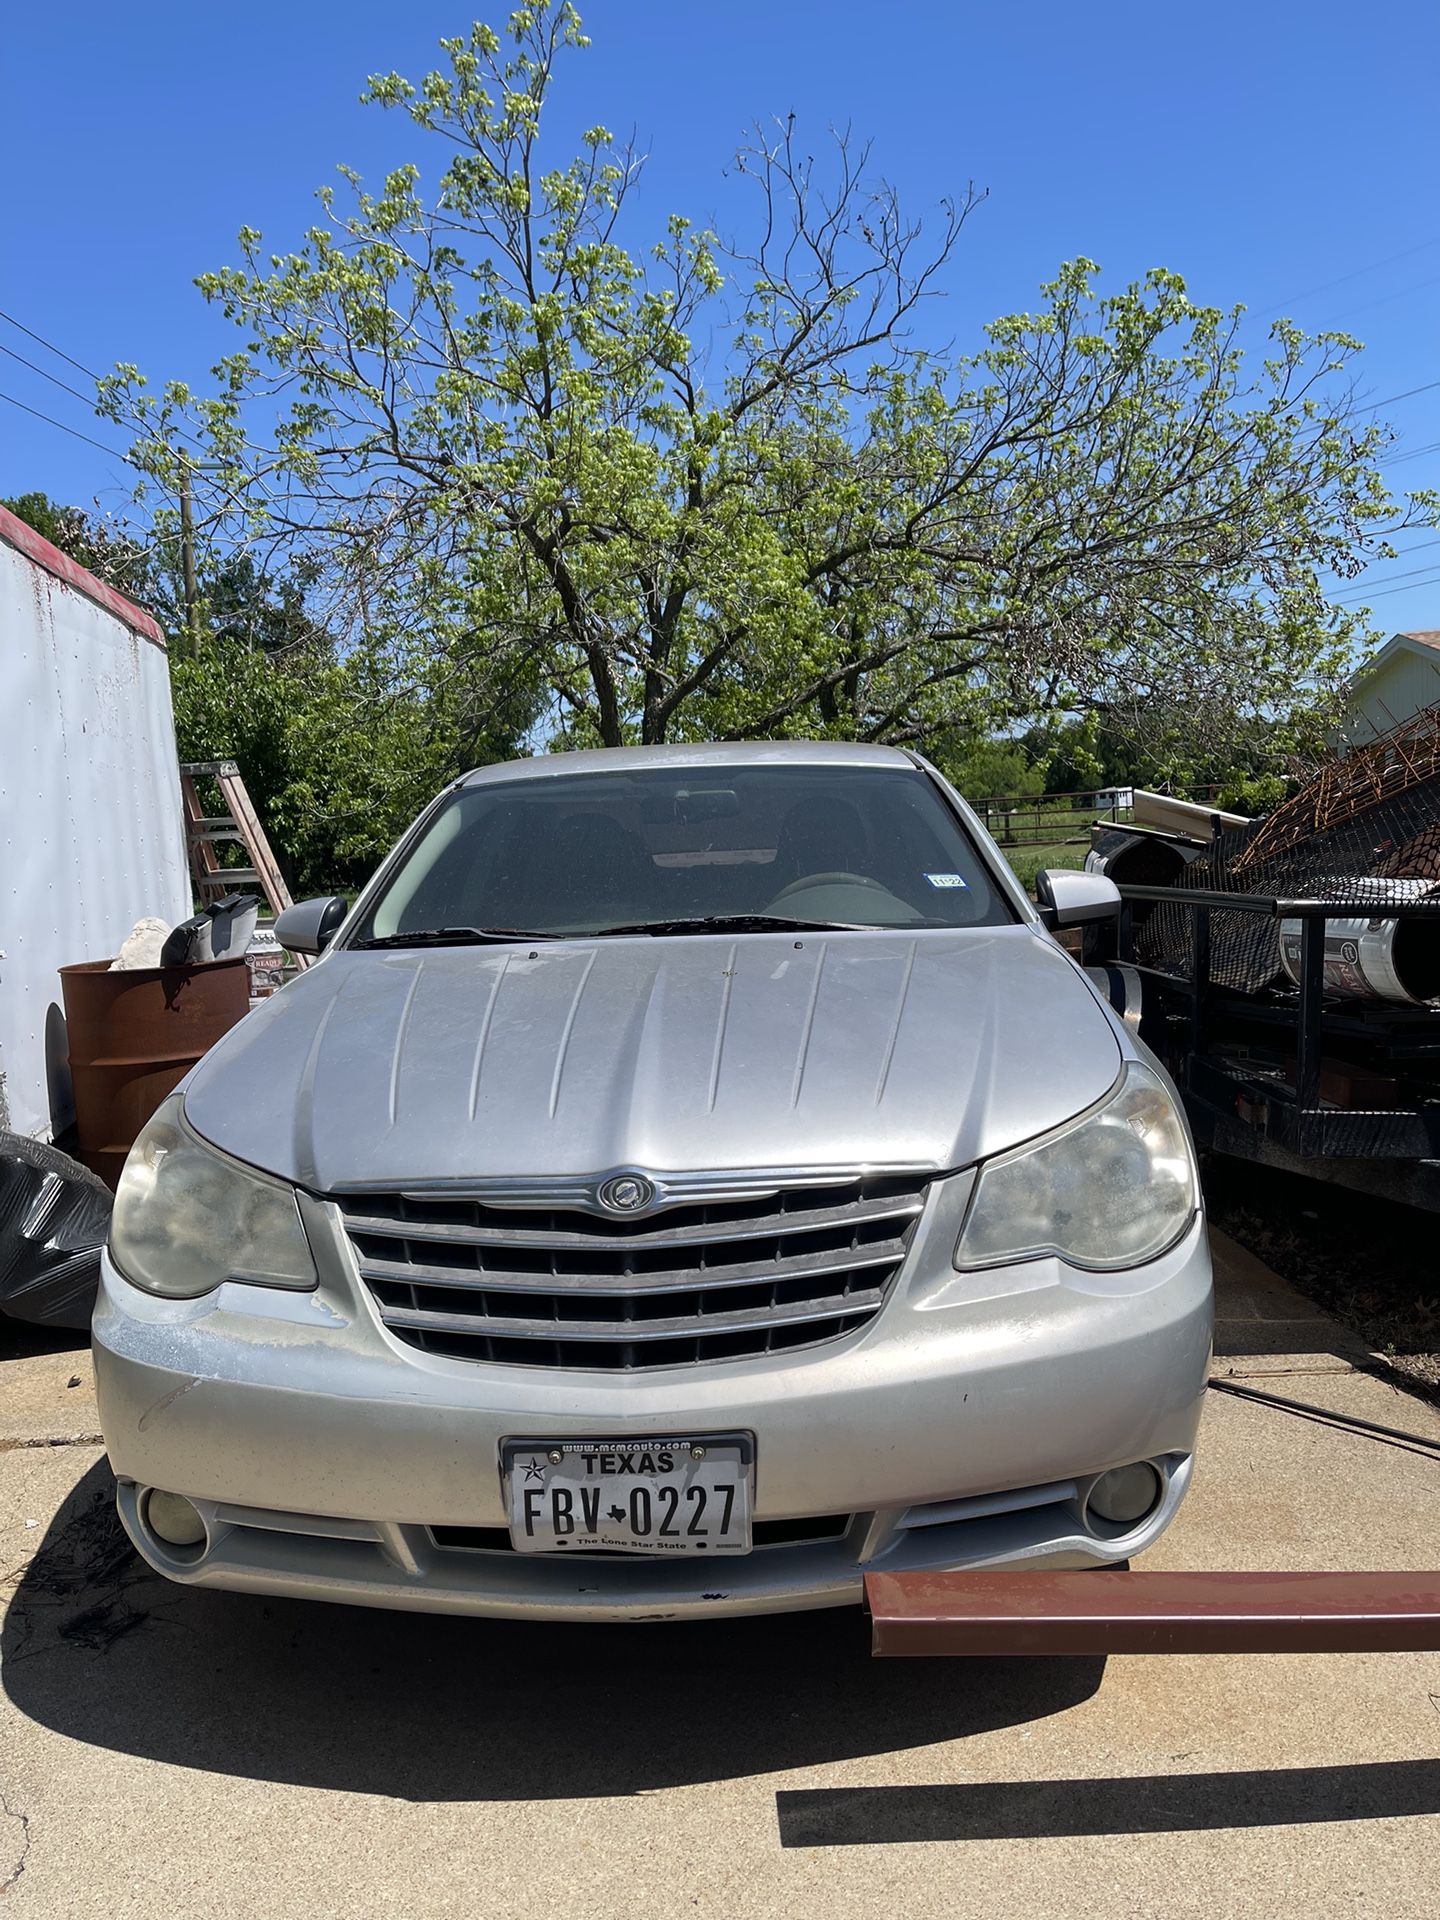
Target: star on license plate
column 653, row 1496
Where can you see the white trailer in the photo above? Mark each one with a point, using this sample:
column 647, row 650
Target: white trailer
column 91, row 829
column 91, row 838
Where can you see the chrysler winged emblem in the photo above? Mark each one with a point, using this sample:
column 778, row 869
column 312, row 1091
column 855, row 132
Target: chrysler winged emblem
column 626, row 1193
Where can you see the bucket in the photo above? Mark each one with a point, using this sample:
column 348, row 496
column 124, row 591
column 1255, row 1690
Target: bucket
column 133, row 1037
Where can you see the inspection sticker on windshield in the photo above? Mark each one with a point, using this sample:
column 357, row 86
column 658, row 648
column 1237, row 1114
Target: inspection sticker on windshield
column 946, row 879
column 653, row 1496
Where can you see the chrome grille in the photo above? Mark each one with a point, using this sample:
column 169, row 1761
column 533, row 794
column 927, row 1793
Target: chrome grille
column 560, row 1287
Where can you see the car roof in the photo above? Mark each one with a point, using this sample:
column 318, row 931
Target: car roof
column 715, row 753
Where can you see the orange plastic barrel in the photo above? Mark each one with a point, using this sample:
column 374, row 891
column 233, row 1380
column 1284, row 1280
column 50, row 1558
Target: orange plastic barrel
column 133, row 1037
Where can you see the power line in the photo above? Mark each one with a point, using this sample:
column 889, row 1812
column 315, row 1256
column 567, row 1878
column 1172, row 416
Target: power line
column 70, row 360
column 1355, row 272
column 65, row 387
column 1408, row 394
column 74, row 433
column 50, row 345
column 55, row 381
column 1416, row 546
column 87, row 399
column 89, row 440
column 1353, row 590
column 1395, row 460
column 1380, row 300
column 1385, row 592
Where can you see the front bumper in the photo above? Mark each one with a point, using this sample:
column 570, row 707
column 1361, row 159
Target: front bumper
column 322, row 1453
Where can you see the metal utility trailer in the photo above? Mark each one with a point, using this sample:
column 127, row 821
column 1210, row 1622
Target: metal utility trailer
column 1294, row 1078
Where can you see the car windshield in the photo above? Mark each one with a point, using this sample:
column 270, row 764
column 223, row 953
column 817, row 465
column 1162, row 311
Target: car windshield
column 688, row 849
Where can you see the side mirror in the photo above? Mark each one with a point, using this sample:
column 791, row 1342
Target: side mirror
column 310, row 925
column 1069, row 899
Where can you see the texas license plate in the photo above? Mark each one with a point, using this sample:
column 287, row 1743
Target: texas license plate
column 624, row 1496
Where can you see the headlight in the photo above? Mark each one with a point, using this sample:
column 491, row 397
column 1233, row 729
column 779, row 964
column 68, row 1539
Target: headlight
column 1111, row 1189
column 187, row 1217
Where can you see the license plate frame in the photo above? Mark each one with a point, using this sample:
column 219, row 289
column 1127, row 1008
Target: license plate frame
column 528, row 1466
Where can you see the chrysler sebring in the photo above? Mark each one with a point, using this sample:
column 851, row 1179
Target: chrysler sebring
column 688, row 1178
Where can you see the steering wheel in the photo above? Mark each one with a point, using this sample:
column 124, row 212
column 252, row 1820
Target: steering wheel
column 809, row 880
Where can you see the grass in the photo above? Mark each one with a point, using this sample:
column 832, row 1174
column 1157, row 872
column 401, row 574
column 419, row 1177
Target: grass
column 1027, row 861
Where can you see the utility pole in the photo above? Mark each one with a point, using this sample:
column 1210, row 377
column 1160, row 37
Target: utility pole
column 187, row 561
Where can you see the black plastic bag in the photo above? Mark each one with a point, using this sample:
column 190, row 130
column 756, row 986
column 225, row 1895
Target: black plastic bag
column 54, row 1216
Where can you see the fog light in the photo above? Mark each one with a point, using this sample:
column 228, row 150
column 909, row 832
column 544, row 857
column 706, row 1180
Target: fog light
column 1125, row 1494
column 173, row 1519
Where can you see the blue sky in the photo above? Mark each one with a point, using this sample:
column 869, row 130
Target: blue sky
column 1283, row 156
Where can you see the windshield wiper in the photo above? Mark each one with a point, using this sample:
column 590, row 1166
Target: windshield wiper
column 706, row 923
column 457, row 937
column 736, row 923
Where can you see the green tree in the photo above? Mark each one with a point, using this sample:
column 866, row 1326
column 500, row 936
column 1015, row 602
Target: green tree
column 111, row 550
column 989, row 770
column 719, row 491
column 1248, row 761
column 336, row 766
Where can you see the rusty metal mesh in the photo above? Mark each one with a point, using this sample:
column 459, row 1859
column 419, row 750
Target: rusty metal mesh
column 1369, row 779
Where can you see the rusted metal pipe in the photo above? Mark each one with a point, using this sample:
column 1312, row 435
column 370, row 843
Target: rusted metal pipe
column 1104, row 1611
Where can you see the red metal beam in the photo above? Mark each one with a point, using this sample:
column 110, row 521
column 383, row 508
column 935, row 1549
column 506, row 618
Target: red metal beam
column 1104, row 1611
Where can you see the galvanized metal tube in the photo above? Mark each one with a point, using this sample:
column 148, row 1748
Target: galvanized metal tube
column 1372, row 956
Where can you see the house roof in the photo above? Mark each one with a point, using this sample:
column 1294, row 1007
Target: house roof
column 1425, row 642
column 19, row 534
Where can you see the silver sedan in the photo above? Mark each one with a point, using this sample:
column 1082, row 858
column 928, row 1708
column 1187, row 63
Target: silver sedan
column 689, row 1178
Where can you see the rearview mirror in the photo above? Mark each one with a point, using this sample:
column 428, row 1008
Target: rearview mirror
column 692, row 805
column 1069, row 899
column 310, row 925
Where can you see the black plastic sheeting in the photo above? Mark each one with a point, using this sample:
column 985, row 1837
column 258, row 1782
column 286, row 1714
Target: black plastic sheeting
column 54, row 1216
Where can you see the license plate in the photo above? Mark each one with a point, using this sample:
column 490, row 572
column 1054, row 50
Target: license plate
column 626, row 1496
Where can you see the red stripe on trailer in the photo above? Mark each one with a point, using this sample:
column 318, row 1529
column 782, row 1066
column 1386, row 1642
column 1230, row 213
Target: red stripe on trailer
column 19, row 534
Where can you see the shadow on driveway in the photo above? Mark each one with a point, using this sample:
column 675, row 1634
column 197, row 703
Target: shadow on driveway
column 426, row 1707
column 1163, row 1803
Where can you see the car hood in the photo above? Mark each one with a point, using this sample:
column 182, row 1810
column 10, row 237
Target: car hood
column 671, row 1054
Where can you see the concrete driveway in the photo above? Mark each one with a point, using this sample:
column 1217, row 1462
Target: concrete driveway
column 163, row 1751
